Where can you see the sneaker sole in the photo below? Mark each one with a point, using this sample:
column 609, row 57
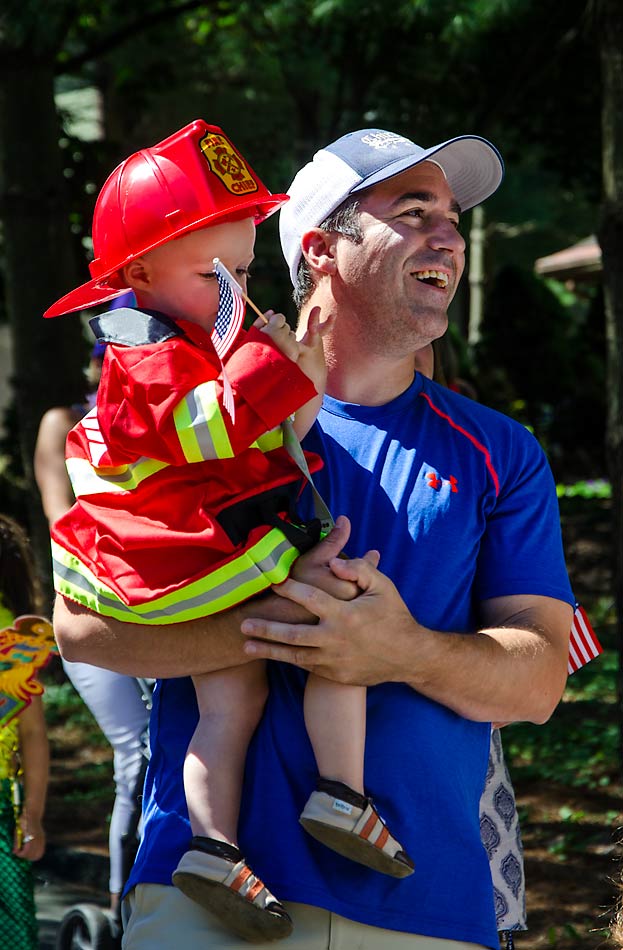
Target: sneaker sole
column 357, row 849
column 238, row 914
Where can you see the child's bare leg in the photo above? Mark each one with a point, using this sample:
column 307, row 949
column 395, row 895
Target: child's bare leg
column 338, row 813
column 335, row 718
column 230, row 707
column 213, row 872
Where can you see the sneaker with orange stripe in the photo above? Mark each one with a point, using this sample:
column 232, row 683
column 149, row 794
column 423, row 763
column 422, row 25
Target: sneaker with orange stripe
column 356, row 833
column 232, row 892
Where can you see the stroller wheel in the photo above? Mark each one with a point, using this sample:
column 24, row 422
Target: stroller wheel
column 87, row 927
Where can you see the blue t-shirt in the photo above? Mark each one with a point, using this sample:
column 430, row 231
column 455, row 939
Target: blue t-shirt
column 460, row 501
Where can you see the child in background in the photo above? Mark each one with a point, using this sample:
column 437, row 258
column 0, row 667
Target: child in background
column 185, row 489
column 24, row 761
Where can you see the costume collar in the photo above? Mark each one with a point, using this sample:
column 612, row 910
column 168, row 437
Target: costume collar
column 131, row 327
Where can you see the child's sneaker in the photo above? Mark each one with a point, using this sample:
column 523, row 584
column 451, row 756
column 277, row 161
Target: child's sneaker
column 215, row 875
column 348, row 823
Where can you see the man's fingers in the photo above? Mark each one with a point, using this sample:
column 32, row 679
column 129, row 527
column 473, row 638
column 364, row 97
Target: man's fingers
column 265, row 650
column 278, row 642
column 314, row 600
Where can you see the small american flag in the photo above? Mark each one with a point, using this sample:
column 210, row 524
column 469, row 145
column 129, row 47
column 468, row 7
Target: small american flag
column 230, row 310
column 583, row 643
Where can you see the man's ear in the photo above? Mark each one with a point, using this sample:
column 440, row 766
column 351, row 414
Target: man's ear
column 318, row 248
column 136, row 274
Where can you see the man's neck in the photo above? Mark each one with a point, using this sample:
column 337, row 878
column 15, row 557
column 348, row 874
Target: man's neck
column 365, row 381
column 360, row 370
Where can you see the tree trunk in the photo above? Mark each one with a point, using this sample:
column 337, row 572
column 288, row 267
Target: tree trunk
column 476, row 275
column 40, row 261
column 610, row 26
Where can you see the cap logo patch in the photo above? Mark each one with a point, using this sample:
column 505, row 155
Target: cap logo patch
column 227, row 164
column 384, row 140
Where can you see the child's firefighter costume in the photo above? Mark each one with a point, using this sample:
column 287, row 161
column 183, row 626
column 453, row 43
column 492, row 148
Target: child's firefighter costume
column 180, row 513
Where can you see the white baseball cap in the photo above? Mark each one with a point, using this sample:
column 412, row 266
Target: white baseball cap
column 473, row 168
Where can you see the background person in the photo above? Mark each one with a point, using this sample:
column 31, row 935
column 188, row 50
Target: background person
column 115, row 701
column 24, row 760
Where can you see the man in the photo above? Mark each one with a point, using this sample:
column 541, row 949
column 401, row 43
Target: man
column 465, row 621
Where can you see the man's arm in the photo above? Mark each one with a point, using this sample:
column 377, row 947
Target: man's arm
column 181, row 649
column 198, row 646
column 514, row 668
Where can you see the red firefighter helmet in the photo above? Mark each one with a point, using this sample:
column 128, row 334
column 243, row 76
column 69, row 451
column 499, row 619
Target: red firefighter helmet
column 192, row 179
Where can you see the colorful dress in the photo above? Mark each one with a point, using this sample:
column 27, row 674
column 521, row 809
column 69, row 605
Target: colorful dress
column 181, row 512
column 18, row 919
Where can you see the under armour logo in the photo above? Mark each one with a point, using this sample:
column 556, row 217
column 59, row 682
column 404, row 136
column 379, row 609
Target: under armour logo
column 434, row 481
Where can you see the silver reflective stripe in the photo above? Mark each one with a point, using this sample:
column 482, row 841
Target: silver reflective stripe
column 199, row 425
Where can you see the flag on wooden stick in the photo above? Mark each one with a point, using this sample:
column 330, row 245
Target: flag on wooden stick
column 227, row 326
column 230, row 310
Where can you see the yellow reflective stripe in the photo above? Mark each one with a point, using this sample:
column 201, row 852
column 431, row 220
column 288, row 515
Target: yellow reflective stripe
column 200, row 426
column 86, row 480
column 267, row 562
column 269, row 440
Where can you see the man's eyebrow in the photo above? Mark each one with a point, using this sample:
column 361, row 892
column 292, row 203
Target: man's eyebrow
column 426, row 197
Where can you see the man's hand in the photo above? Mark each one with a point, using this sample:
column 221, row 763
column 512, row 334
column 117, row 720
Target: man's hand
column 513, row 669
column 350, row 642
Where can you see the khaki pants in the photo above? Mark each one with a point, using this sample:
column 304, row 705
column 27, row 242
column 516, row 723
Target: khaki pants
column 161, row 918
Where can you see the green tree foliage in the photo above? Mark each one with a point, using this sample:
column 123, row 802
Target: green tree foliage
column 544, row 364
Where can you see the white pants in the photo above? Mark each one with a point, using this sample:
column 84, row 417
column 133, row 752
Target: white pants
column 158, row 916
column 116, row 704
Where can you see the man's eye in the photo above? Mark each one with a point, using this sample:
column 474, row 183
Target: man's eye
column 244, row 272
column 415, row 212
column 209, row 275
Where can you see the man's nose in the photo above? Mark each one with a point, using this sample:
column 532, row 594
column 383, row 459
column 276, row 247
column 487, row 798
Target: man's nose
column 443, row 235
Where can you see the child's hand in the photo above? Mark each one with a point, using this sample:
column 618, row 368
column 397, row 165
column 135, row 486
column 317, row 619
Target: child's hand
column 280, row 333
column 311, row 355
column 314, row 567
column 306, row 351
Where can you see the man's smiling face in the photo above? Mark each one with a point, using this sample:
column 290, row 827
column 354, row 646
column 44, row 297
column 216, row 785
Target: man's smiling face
column 401, row 278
